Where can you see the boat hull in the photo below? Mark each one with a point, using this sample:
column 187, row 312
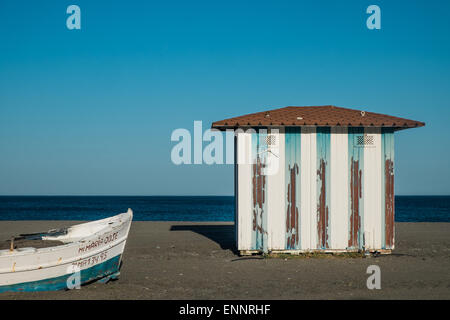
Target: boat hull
column 92, row 251
column 108, row 268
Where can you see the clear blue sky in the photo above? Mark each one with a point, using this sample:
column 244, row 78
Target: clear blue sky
column 91, row 111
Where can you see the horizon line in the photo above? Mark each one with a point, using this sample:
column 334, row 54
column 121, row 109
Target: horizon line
column 169, row 195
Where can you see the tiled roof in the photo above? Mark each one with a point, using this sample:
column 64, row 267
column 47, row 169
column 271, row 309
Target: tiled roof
column 317, row 116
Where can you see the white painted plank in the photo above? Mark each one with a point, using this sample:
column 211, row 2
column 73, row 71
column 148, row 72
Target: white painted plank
column 339, row 188
column 372, row 190
column 308, row 176
column 313, row 192
column 276, row 198
column 244, row 214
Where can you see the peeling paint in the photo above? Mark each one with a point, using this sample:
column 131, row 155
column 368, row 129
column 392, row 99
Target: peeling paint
column 389, row 202
column 259, row 213
column 292, row 225
column 323, row 186
column 356, row 235
column 388, row 205
column 334, row 192
column 355, row 195
column 259, row 195
column 322, row 208
column 292, row 188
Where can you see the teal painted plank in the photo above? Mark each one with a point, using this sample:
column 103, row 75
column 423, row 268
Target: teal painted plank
column 259, row 191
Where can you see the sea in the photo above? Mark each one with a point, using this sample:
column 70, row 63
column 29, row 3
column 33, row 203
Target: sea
column 180, row 208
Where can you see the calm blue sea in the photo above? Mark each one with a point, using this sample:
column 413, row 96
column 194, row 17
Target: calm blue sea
column 174, row 208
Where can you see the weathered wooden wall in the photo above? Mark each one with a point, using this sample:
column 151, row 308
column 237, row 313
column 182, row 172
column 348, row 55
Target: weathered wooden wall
column 333, row 189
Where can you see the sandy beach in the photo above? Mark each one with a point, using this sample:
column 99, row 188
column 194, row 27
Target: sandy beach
column 191, row 260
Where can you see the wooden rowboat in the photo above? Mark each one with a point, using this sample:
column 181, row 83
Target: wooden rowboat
column 87, row 252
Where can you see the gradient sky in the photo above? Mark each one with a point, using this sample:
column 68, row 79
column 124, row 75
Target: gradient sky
column 91, row 111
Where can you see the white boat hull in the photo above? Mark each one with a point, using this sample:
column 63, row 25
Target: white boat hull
column 91, row 251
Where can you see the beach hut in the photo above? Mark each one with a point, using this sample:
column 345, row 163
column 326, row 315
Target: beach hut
column 314, row 179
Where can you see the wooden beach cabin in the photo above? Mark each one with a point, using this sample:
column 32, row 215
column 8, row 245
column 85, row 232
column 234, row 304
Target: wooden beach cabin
column 314, row 179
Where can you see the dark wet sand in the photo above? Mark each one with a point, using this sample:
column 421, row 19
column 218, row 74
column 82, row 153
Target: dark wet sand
column 189, row 260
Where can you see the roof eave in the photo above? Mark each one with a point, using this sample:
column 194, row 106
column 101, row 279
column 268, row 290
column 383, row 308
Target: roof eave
column 234, row 127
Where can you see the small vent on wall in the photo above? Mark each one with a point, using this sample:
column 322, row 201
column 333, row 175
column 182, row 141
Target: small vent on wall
column 364, row 140
column 271, row 140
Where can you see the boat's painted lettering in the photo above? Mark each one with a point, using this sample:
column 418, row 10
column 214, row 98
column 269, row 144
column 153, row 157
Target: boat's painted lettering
column 101, row 241
column 111, row 237
column 91, row 260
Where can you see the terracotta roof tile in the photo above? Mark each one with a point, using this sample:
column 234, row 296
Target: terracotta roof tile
column 317, row 116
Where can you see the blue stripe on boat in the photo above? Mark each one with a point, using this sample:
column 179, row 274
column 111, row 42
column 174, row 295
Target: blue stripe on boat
column 99, row 271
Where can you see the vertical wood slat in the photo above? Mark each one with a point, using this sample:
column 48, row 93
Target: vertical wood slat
column 308, row 178
column 276, row 204
column 372, row 188
column 387, row 174
column 293, row 187
column 356, row 182
column 339, row 188
column 259, row 194
column 244, row 207
column 323, row 187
